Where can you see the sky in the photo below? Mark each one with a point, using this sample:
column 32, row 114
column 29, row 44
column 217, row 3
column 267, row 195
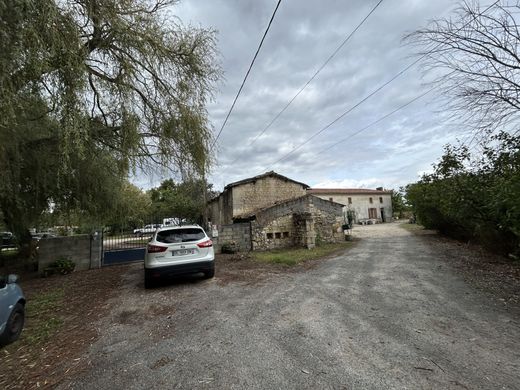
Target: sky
column 393, row 152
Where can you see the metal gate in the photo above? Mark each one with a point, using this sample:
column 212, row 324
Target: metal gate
column 124, row 247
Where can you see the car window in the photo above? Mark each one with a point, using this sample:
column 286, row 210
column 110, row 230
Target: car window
column 180, row 235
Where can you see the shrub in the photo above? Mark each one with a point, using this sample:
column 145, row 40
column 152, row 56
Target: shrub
column 62, row 265
column 474, row 198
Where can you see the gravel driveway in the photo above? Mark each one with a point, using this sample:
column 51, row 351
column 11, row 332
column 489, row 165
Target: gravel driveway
column 388, row 314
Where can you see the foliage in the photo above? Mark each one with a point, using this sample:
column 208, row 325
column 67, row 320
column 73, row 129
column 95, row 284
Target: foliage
column 63, row 265
column 474, row 56
column 184, row 200
column 399, row 205
column 349, row 216
column 90, row 90
column 131, row 208
column 474, row 197
column 292, row 256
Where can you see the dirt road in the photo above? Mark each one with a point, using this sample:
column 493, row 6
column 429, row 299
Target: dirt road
column 388, row 314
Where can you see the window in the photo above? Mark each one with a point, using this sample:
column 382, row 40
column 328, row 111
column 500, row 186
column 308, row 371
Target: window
column 180, row 235
column 371, row 200
column 380, row 199
column 285, row 234
column 269, row 236
column 278, row 235
column 331, row 199
column 349, row 200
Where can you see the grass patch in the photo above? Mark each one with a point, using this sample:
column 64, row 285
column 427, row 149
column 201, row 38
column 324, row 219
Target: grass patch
column 294, row 256
column 411, row 227
column 42, row 311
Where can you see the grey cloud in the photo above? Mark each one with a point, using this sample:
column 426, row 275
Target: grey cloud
column 303, row 35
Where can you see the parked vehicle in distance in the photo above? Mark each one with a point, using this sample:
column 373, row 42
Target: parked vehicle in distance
column 7, row 240
column 178, row 250
column 171, row 222
column 147, row 229
column 38, row 236
column 12, row 309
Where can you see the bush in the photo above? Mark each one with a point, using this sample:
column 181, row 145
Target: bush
column 62, row 266
column 474, row 199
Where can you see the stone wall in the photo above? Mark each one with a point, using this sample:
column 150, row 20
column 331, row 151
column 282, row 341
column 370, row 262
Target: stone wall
column 238, row 233
column 220, row 210
column 278, row 233
column 84, row 250
column 327, row 226
column 298, row 222
column 305, row 235
column 262, row 193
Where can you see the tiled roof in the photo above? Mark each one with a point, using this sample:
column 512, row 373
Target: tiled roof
column 267, row 174
column 347, row 191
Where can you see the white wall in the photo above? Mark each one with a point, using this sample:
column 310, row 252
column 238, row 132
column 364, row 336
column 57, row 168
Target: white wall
column 361, row 203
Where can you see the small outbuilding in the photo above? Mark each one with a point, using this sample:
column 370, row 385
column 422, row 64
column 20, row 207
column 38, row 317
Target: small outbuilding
column 272, row 211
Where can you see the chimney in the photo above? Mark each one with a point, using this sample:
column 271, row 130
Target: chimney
column 379, row 188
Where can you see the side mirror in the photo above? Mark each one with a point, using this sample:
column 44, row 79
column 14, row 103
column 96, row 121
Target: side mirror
column 11, row 279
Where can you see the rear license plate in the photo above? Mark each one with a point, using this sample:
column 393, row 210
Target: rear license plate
column 183, row 252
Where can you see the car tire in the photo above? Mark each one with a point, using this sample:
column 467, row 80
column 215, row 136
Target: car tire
column 209, row 274
column 14, row 325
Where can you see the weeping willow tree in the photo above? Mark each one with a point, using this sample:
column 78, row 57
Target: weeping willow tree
column 92, row 89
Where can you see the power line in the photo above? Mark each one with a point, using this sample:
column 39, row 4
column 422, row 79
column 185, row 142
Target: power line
column 247, row 74
column 376, row 122
column 348, row 111
column 369, row 95
column 313, row 76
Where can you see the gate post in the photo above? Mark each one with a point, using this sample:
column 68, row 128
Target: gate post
column 96, row 249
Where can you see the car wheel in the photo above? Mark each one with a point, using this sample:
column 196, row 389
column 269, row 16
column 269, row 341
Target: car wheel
column 209, row 274
column 14, row 325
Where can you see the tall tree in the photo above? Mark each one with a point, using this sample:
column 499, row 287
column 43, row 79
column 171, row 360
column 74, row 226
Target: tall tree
column 184, row 200
column 114, row 83
column 475, row 57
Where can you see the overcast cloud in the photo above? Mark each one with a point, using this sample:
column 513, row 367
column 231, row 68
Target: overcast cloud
column 301, row 38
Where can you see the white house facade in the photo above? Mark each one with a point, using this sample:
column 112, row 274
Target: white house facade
column 366, row 204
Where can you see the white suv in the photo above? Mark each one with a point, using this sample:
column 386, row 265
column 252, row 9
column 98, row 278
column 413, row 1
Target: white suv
column 178, row 250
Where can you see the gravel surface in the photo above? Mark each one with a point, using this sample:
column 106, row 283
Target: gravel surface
column 389, row 313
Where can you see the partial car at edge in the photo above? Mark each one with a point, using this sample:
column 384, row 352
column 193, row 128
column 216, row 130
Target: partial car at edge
column 178, row 250
column 12, row 309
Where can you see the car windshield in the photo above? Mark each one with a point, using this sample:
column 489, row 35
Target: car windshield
column 180, row 235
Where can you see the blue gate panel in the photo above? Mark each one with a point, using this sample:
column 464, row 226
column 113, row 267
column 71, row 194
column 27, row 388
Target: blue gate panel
column 123, row 256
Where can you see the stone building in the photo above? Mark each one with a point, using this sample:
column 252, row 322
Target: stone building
column 272, row 211
column 367, row 204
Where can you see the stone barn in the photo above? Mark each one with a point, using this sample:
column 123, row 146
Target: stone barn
column 272, row 211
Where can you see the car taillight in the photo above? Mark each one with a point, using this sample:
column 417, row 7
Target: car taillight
column 205, row 244
column 156, row 248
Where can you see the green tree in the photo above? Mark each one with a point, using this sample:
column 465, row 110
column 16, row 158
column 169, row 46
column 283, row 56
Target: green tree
column 184, row 200
column 91, row 89
column 399, row 205
column 474, row 197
